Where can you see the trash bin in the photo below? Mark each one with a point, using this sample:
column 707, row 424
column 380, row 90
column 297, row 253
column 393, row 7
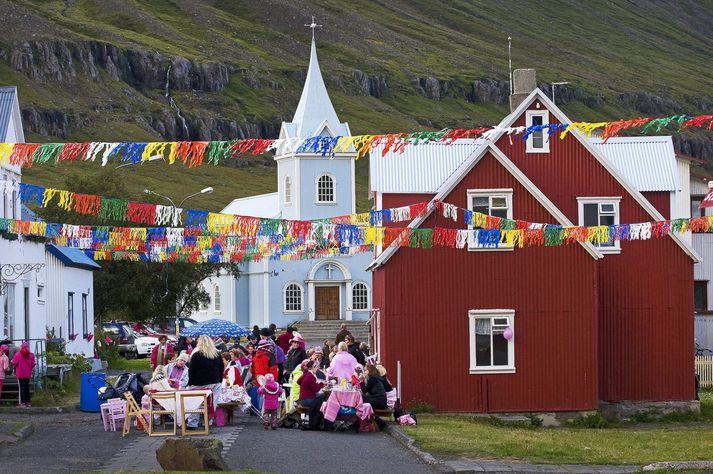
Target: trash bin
column 88, row 392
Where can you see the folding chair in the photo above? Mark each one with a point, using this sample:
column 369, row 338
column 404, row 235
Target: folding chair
column 133, row 409
column 182, row 397
column 157, row 409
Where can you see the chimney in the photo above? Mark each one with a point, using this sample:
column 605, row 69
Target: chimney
column 524, row 81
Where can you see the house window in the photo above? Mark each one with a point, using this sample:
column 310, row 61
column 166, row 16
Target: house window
column 696, row 210
column 537, row 142
column 325, row 189
column 14, row 205
column 85, row 315
column 490, row 350
column 8, row 305
column 293, row 298
column 41, row 293
column 492, row 202
column 360, row 297
column 598, row 212
column 216, row 299
column 700, row 296
column 70, row 313
column 288, row 190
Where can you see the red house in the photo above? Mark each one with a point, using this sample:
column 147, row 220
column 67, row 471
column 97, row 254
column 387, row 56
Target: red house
column 609, row 323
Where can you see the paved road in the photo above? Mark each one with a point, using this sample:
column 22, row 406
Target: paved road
column 76, row 442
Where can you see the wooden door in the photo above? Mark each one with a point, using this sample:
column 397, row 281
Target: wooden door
column 326, row 302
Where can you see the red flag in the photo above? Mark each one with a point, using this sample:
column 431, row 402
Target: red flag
column 707, row 201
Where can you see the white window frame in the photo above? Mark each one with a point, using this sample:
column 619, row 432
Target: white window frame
column 368, row 296
column 302, row 298
column 288, row 190
column 217, row 302
column 615, row 200
column 475, row 314
column 490, row 193
column 85, row 314
column 334, row 190
column 70, row 313
column 545, row 114
column 40, row 293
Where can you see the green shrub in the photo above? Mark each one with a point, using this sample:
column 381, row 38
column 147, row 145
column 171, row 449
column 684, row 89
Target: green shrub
column 535, row 421
column 108, row 352
column 593, row 420
column 419, row 406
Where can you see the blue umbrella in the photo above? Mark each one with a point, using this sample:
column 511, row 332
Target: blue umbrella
column 215, row 328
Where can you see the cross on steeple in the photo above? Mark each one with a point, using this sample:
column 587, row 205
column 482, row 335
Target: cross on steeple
column 314, row 26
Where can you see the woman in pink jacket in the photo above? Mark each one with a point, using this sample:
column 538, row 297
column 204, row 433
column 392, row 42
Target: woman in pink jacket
column 4, row 365
column 24, row 362
column 343, row 363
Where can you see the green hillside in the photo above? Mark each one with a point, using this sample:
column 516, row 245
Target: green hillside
column 101, row 69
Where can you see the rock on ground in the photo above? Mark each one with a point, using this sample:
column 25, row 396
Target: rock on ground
column 197, row 454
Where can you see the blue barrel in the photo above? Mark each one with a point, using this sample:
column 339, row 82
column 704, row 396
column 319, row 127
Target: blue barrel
column 88, row 392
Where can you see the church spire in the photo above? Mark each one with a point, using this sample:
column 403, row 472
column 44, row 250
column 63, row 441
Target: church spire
column 315, row 107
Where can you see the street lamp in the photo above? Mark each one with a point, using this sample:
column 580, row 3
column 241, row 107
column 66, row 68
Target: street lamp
column 553, row 84
column 207, row 190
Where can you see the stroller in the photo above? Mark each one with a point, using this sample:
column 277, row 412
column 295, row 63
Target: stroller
column 127, row 382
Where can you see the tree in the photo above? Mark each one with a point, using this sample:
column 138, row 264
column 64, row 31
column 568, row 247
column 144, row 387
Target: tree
column 136, row 291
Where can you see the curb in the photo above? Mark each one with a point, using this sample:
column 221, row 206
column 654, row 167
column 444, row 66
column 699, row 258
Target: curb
column 25, row 431
column 410, row 444
column 40, row 410
column 679, row 465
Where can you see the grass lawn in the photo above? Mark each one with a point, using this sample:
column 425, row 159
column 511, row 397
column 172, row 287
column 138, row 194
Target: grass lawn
column 478, row 438
column 133, row 365
column 54, row 394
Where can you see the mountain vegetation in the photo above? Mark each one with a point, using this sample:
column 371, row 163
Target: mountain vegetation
column 220, row 69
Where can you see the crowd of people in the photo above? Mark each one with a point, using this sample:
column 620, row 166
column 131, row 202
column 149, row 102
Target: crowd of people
column 262, row 366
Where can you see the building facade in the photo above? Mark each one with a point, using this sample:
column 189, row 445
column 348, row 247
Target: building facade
column 309, row 187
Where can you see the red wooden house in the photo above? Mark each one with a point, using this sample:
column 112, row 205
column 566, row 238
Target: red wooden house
column 611, row 322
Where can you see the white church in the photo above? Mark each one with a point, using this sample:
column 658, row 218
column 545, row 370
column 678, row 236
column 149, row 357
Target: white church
column 310, row 186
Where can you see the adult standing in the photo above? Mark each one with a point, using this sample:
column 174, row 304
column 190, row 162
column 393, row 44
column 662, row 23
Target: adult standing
column 205, row 371
column 283, row 340
column 160, row 352
column 24, row 362
column 343, row 332
column 263, row 363
column 296, row 354
column 4, row 365
column 185, row 343
column 354, row 349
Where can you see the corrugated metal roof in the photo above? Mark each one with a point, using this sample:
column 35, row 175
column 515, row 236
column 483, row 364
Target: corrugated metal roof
column 7, row 99
column 262, row 205
column 72, row 257
column 648, row 163
column 420, row 168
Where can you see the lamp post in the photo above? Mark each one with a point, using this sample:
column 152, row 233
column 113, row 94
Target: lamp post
column 207, row 190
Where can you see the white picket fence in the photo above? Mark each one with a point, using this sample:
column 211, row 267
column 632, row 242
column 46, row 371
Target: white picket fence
column 704, row 369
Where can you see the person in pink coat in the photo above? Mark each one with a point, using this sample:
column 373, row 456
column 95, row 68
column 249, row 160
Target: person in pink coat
column 24, row 362
column 343, row 363
column 271, row 391
column 4, row 365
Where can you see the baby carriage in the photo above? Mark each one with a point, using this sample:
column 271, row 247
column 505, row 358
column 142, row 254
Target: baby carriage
column 127, row 382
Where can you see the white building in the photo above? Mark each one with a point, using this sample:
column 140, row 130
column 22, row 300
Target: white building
column 41, row 288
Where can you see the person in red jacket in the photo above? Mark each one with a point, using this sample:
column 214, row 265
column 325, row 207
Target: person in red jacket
column 160, row 352
column 261, row 364
column 283, row 340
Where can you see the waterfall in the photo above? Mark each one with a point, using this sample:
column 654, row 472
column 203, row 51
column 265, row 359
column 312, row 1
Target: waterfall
column 173, row 104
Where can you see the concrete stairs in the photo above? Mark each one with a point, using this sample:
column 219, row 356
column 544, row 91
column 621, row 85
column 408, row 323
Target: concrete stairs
column 315, row 332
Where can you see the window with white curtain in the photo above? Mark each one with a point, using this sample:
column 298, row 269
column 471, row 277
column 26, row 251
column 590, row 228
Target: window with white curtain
column 490, row 350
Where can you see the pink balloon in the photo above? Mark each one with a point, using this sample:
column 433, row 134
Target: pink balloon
column 508, row 334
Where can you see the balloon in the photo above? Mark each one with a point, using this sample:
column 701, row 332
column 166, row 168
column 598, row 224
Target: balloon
column 508, row 334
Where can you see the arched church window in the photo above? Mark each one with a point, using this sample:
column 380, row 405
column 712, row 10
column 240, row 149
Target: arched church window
column 293, row 297
column 288, row 190
column 360, row 297
column 325, row 189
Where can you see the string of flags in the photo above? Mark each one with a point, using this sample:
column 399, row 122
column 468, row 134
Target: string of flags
column 198, row 245
column 195, row 153
column 159, row 215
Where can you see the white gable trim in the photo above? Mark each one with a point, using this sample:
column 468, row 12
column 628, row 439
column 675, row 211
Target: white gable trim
column 537, row 94
column 460, row 174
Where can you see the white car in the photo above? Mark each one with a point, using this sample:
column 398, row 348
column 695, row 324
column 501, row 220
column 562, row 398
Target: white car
column 145, row 344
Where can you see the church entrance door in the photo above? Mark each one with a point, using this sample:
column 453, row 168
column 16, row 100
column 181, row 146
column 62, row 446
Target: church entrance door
column 326, row 302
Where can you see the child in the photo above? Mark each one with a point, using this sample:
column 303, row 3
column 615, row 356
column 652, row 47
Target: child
column 4, row 365
column 272, row 391
column 24, row 362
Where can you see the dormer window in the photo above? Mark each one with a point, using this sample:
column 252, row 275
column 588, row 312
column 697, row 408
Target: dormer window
column 325, row 189
column 288, row 190
column 537, row 141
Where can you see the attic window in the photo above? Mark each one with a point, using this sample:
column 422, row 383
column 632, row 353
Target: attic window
column 537, row 141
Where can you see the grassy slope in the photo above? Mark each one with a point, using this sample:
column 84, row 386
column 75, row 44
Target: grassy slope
column 604, row 49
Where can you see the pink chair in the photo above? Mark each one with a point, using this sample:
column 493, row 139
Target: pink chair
column 112, row 411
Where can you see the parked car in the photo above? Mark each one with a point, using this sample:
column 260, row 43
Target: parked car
column 123, row 335
column 141, row 329
column 145, row 344
column 169, row 326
